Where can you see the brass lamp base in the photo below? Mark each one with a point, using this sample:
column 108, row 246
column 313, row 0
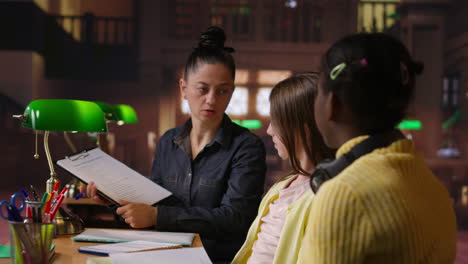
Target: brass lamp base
column 67, row 223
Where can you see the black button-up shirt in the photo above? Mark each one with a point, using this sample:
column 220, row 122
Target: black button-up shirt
column 217, row 194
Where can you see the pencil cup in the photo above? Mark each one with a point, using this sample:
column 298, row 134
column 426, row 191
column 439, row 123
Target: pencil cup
column 31, row 242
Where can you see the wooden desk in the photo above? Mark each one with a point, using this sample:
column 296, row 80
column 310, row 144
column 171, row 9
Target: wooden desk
column 66, row 250
column 80, row 201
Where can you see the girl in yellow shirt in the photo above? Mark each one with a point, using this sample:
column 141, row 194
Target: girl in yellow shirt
column 387, row 206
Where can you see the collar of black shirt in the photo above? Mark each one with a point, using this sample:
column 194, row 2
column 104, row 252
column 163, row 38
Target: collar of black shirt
column 223, row 135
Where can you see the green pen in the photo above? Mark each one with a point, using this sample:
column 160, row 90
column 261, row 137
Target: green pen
column 44, row 197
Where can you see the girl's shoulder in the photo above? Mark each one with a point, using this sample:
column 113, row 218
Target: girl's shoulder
column 280, row 184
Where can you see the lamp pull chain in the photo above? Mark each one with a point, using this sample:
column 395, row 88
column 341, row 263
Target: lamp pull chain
column 36, row 155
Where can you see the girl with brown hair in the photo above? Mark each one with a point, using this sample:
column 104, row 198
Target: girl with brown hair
column 276, row 234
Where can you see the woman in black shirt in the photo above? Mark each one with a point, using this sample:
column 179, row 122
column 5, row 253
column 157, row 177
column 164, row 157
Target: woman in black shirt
column 214, row 168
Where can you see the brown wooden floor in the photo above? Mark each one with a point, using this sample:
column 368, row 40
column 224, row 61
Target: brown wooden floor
column 462, row 245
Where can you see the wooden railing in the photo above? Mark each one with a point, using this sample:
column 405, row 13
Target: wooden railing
column 268, row 20
column 302, row 23
column 98, row 30
column 377, row 16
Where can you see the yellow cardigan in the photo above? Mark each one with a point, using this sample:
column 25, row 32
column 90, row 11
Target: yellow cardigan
column 386, row 207
column 293, row 229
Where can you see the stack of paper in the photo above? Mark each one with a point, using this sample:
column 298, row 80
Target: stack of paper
column 174, row 256
column 115, row 236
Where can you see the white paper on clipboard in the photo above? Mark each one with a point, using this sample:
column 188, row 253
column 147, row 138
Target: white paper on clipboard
column 113, row 178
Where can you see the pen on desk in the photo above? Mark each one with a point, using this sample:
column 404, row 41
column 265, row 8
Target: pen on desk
column 81, row 194
column 36, row 198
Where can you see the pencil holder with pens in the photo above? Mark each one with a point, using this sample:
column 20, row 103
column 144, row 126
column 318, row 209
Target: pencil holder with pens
column 31, row 242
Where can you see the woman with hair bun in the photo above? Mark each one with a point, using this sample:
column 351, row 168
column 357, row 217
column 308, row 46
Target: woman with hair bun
column 214, row 168
column 382, row 203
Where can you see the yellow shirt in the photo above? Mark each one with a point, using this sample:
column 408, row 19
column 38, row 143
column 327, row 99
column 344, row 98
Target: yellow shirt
column 293, row 230
column 386, row 207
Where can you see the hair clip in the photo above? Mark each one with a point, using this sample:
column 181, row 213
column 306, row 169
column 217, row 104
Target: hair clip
column 363, row 62
column 337, row 70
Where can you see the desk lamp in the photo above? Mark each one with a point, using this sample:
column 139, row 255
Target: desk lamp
column 125, row 114
column 109, row 111
column 120, row 113
column 62, row 115
column 109, row 114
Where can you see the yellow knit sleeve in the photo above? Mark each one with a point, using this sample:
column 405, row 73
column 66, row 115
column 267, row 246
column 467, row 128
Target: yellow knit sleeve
column 338, row 230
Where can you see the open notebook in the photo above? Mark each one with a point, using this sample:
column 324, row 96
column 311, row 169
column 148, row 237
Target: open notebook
column 115, row 236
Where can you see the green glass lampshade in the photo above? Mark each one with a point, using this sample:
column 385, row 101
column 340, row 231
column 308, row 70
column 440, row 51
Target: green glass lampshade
column 64, row 115
column 109, row 111
column 252, row 124
column 410, row 125
column 125, row 114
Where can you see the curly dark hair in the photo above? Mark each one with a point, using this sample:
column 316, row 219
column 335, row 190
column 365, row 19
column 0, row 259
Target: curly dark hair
column 377, row 81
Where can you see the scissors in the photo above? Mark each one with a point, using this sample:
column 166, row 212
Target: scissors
column 13, row 212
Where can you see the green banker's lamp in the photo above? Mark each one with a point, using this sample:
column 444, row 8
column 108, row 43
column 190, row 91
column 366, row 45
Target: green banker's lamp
column 62, row 115
column 120, row 114
column 125, row 114
column 108, row 110
column 109, row 115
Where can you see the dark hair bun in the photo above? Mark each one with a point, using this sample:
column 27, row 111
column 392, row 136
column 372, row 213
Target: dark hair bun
column 417, row 67
column 214, row 38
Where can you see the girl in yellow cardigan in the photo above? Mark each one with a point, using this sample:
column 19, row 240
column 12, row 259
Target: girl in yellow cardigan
column 276, row 234
column 387, row 206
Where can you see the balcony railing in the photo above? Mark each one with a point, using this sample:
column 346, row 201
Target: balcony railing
column 377, row 15
column 98, row 30
column 301, row 23
column 247, row 20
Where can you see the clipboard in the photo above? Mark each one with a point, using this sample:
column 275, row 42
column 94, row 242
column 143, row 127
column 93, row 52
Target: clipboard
column 80, row 155
column 113, row 179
